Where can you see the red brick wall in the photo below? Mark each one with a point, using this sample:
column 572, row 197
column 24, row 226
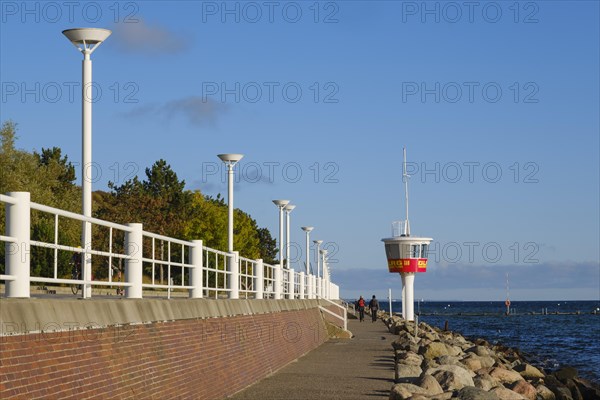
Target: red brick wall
column 198, row 359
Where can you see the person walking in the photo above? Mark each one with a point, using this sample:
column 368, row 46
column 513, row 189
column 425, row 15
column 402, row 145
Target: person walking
column 360, row 306
column 374, row 307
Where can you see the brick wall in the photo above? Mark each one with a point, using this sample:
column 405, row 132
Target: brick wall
column 194, row 358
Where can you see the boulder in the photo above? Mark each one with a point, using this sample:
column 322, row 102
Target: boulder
column 487, row 361
column 429, row 364
column 505, row 375
column 448, row 360
column 409, row 358
column 529, row 372
column 431, row 385
column 525, row 389
column 473, row 393
column 402, row 391
column 587, row 389
column 472, row 362
column 485, row 381
column 407, row 373
column 575, row 393
column 452, row 377
column 479, row 350
column 506, row 394
column 562, row 393
column 544, row 393
column 566, row 373
column 437, row 349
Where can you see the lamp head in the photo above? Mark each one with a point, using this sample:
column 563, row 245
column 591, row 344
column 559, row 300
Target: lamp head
column 87, row 39
column 289, row 207
column 317, row 242
column 281, row 203
column 230, row 158
column 307, row 228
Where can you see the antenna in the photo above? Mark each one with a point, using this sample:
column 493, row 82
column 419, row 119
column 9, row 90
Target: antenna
column 405, row 177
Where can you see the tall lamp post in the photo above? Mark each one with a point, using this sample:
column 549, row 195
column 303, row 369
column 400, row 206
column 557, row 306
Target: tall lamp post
column 307, row 229
column 318, row 244
column 230, row 160
column 288, row 209
column 86, row 40
column 325, row 273
column 278, row 271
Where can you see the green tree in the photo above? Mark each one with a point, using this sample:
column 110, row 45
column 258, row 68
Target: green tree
column 49, row 177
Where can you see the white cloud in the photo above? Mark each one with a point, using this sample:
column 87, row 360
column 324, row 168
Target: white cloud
column 138, row 37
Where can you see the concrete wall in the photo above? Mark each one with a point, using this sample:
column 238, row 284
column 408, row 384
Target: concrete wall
column 200, row 349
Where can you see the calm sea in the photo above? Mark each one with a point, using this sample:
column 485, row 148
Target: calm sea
column 549, row 341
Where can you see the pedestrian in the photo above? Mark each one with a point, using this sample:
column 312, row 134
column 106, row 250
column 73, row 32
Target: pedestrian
column 360, row 305
column 374, row 307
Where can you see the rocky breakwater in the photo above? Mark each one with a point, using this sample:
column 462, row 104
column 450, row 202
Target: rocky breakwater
column 435, row 364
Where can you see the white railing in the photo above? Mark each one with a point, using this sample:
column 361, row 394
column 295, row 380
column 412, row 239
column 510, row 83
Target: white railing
column 129, row 259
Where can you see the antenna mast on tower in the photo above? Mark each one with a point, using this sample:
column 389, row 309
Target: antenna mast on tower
column 405, row 177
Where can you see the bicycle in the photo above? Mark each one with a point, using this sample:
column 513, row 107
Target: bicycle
column 75, row 275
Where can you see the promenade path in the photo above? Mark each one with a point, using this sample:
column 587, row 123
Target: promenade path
column 357, row 368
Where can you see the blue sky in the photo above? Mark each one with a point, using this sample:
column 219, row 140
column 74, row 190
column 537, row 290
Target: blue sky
column 496, row 102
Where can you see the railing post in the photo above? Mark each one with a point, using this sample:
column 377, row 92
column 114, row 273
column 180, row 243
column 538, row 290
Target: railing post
column 291, row 283
column 234, row 276
column 259, row 278
column 301, row 289
column 278, row 282
column 133, row 262
column 309, row 281
column 18, row 223
column 196, row 272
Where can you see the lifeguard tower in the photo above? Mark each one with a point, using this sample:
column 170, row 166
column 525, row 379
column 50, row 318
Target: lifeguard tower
column 406, row 254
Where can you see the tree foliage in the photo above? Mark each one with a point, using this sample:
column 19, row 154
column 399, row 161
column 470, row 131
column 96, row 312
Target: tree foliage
column 159, row 201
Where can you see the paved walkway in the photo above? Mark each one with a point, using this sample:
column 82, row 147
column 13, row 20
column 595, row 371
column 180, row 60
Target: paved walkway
column 357, row 368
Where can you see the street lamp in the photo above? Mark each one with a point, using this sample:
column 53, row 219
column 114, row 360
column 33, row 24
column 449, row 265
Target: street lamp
column 307, row 229
column 318, row 244
column 277, row 288
column 86, row 40
column 288, row 209
column 230, row 160
column 325, row 273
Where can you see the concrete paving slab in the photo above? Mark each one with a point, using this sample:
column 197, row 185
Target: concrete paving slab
column 357, row 368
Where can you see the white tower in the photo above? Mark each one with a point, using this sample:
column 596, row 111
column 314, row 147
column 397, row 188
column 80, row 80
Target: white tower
column 406, row 254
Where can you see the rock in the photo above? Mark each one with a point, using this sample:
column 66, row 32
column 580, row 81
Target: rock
column 431, row 385
column 481, row 351
column 402, row 391
column 404, row 339
column 472, row 362
column 485, row 381
column 452, row 377
column 407, row 373
column 525, row 389
column 473, row 393
column 505, row 375
column 562, row 393
column 487, row 361
column 566, row 373
column 437, row 349
column 506, row 394
column 448, row 360
column 587, row 389
column 528, row 371
column 544, row 393
column 575, row 393
column 409, row 358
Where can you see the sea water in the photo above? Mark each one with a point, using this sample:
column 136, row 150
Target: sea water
column 559, row 338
